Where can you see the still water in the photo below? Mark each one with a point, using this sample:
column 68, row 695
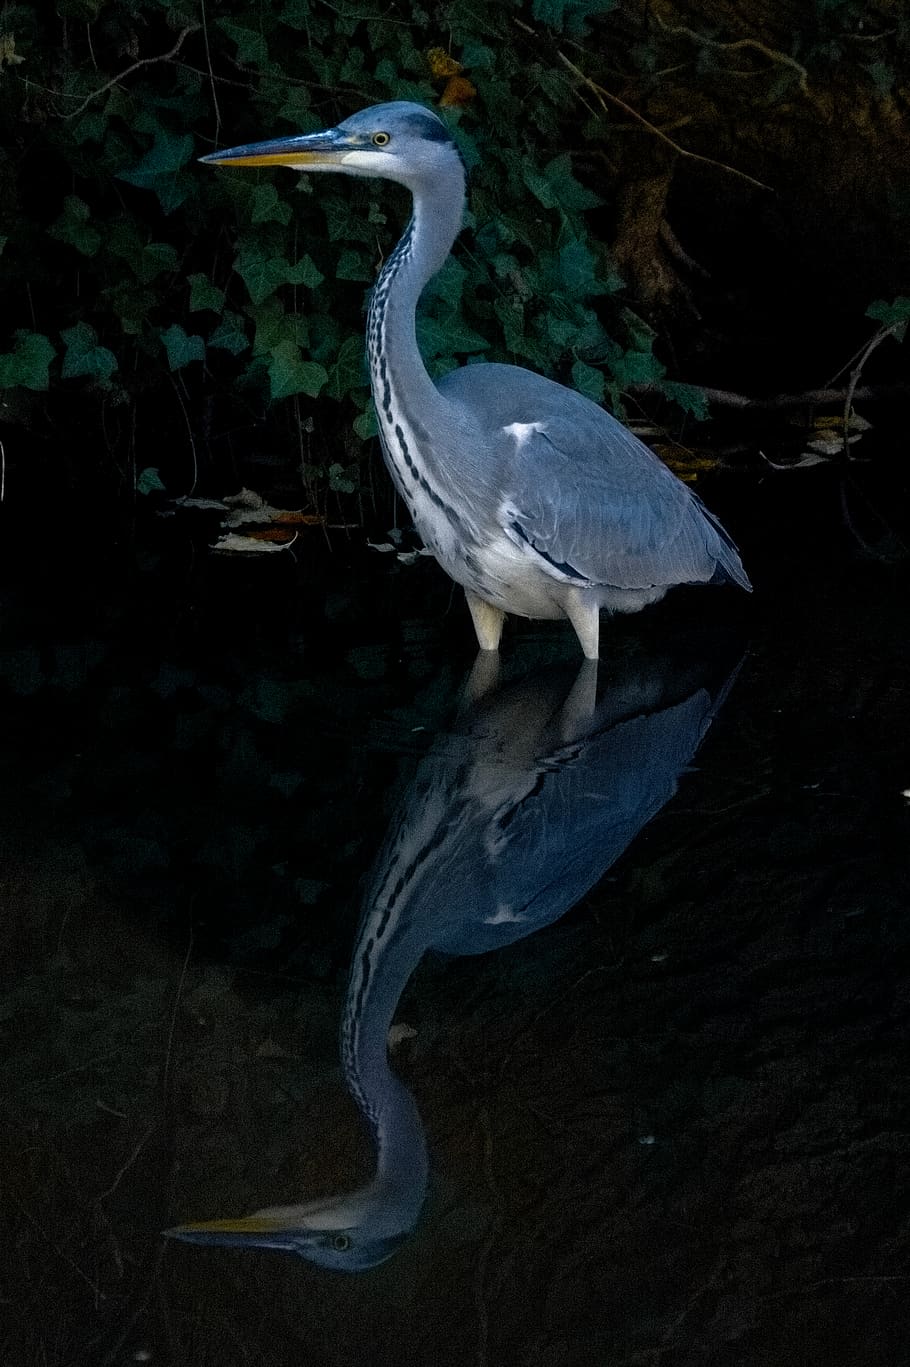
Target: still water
column 636, row 942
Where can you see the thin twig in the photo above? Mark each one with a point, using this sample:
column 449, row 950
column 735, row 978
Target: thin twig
column 810, row 398
column 127, row 1165
column 606, row 95
column 495, row 1229
column 208, row 60
column 145, row 61
column 857, row 371
column 780, row 58
column 192, row 439
column 169, row 1049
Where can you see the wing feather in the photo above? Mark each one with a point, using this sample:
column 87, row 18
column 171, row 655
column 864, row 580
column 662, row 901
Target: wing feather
column 598, row 507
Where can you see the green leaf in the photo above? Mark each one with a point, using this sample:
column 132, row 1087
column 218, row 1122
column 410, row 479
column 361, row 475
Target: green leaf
column 556, row 187
column 342, row 221
column 263, row 273
column 638, row 367
column 73, row 226
column 349, row 370
column 230, row 334
column 341, row 480
column 290, row 374
column 570, row 15
column 477, row 57
column 572, row 194
column 149, row 480
column 690, row 397
column 353, row 266
column 251, row 45
column 267, row 206
column 159, row 169
column 577, row 271
column 447, row 338
column 204, row 295
column 365, row 424
column 305, row 272
column 84, row 356
column 28, row 363
column 182, row 349
column 898, row 311
column 154, row 260
column 641, row 334
column 588, row 381
column 883, row 77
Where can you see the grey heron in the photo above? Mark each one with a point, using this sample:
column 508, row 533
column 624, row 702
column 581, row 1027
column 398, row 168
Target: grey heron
column 531, row 497
column 514, row 813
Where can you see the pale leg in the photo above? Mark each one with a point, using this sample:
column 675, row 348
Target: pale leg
column 583, row 611
column 487, row 621
column 579, row 708
column 483, row 678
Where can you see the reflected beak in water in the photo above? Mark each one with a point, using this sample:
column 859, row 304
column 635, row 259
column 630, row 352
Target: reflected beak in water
column 251, row 1231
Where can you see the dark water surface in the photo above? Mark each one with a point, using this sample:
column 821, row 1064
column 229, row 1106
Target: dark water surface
column 670, row 1126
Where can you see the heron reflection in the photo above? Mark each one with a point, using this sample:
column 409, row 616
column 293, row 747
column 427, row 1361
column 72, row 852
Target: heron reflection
column 513, row 814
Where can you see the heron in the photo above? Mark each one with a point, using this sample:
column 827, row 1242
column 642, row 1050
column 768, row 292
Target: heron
column 538, row 502
column 521, row 804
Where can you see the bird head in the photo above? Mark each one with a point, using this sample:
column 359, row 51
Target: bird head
column 347, row 1234
column 399, row 141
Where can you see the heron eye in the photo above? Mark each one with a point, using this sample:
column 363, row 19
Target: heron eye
column 381, row 139
column 341, row 1243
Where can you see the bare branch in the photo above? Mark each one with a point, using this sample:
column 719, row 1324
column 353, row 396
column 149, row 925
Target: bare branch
column 146, row 61
column 780, row 58
column 605, row 95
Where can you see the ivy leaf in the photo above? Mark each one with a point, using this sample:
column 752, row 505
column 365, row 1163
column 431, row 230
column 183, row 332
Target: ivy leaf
column 577, row 271
column 641, row 334
column 267, row 205
column 556, row 187
column 149, row 481
column 365, row 424
column 305, row 272
column 898, row 311
column 28, row 363
column 182, row 349
column 438, row 338
column 340, row 479
column 569, row 14
column 73, row 227
column 571, row 193
column 588, row 381
column 154, row 259
column 204, row 295
column 251, row 45
column 343, row 223
column 290, row 374
column 158, row 169
column 690, row 397
column 263, row 273
column 83, row 355
column 477, row 57
column 230, row 334
column 352, row 266
column 638, row 367
column 349, row 369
